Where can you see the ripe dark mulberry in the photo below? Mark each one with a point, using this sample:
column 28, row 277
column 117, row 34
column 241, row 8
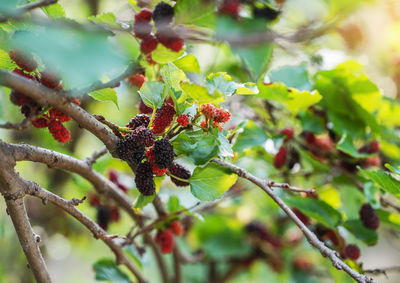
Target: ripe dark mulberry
column 163, row 153
column 369, row 217
column 280, row 158
column 143, row 108
column 144, row 179
column 139, row 120
column 144, row 136
column 148, row 44
column 129, row 150
column 156, row 170
column 352, row 252
column 165, row 240
column 266, row 13
column 59, row 132
column 180, row 172
column 103, row 216
column 258, row 230
column 163, row 118
column 183, row 120
column 163, row 14
column 370, row 148
column 23, row 60
column 41, row 122
column 19, row 99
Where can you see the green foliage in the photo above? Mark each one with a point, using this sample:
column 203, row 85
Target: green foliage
column 107, row 94
column 153, row 94
column 107, row 270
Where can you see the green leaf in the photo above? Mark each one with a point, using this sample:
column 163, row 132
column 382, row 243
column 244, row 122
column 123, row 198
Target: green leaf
column 173, row 204
column 291, row 98
column 221, row 81
column 317, row 209
column 195, row 12
column 393, row 169
column 173, row 76
column 346, row 145
column 6, row 62
column 224, row 146
column 133, row 254
column 392, row 219
column 107, row 19
column 107, row 270
column 188, row 63
column 292, row 76
column 152, row 94
column 357, row 228
column 252, row 135
column 211, row 182
column 54, row 11
column 82, row 57
column 163, row 55
column 247, row 89
column 201, row 95
column 383, row 180
column 199, row 147
column 107, row 94
column 311, row 123
column 142, row 200
column 255, row 57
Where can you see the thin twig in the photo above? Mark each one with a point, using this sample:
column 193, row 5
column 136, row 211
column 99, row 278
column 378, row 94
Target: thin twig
column 96, row 155
column 114, row 128
column 383, row 271
column 17, row 126
column 387, row 202
column 310, row 236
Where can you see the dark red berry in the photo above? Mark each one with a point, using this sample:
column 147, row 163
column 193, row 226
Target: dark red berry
column 370, row 148
column 23, row 60
column 56, row 114
column 113, row 176
column 143, row 136
column 183, row 120
column 156, row 169
column 280, row 158
column 181, row 172
column 143, row 108
column 176, row 228
column 139, row 120
column 144, row 179
column 222, row 116
column 170, row 39
column 94, row 200
column 369, row 217
column 148, row 44
column 258, row 230
column 114, row 214
column 352, row 252
column 137, row 80
column 303, row 218
column 129, row 150
column 142, row 29
column 41, row 122
column 58, row 131
column 143, row 16
column 230, row 7
column 163, row 153
column 19, row 99
column 163, row 118
column 266, row 13
column 49, row 80
column 122, row 187
column 309, row 138
column 165, row 240
column 288, row 132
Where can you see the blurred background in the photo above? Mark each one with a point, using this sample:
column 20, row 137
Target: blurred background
column 367, row 31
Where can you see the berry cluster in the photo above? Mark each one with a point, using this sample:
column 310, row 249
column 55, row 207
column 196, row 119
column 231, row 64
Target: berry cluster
column 51, row 119
column 162, row 16
column 214, row 116
column 165, row 238
column 107, row 212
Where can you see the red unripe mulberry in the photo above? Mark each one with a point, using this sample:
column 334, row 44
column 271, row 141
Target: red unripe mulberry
column 148, row 44
column 176, row 228
column 369, row 217
column 143, row 16
column 156, row 170
column 49, row 80
column 137, row 80
column 208, row 110
column 143, row 108
column 163, row 118
column 58, row 131
column 23, row 60
column 372, row 147
column 165, row 240
column 222, row 116
column 230, row 7
column 303, row 218
column 280, row 158
column 183, row 120
column 56, row 114
column 352, row 252
column 113, row 176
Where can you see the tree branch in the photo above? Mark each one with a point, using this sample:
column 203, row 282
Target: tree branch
column 310, row 236
column 26, row 8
